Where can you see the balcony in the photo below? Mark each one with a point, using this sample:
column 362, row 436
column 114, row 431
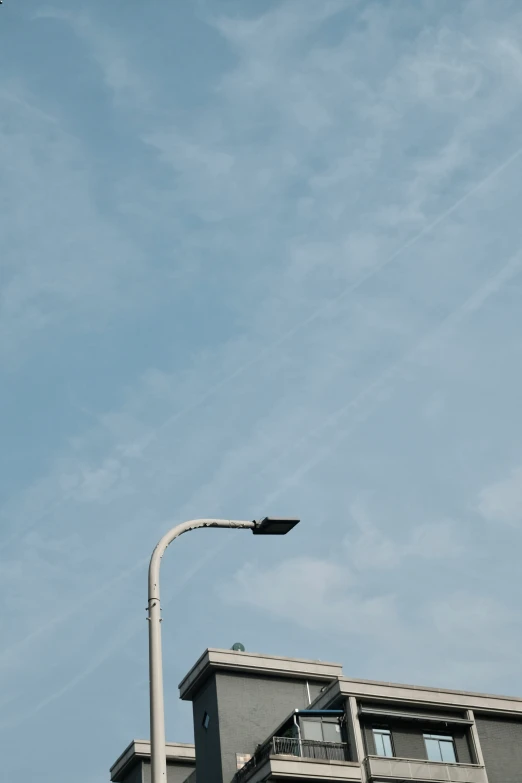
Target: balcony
column 382, row 769
column 309, row 749
column 288, row 758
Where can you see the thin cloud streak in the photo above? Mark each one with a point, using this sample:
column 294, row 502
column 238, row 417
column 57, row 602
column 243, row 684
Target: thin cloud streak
column 143, row 444
column 346, row 292
column 471, row 305
column 316, row 239
column 377, row 386
column 119, row 640
column 75, row 608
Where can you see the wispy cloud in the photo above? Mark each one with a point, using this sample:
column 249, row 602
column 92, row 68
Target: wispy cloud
column 372, row 546
column 62, row 260
column 325, row 594
column 264, row 270
column 313, row 593
column 359, row 594
column 501, row 501
column 116, row 64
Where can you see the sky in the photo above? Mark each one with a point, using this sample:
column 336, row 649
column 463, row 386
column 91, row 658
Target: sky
column 258, row 257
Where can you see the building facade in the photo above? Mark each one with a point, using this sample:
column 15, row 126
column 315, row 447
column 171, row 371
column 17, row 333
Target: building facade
column 264, row 718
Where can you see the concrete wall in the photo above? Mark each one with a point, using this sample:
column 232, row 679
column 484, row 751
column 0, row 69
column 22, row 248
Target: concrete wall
column 135, row 775
column 408, row 741
column 409, row 709
column 176, row 773
column 501, row 742
column 250, row 708
column 207, row 741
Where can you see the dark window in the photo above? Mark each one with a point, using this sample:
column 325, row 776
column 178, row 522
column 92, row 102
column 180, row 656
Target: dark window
column 331, row 732
column 440, row 747
column 383, row 742
column 206, row 720
column 320, row 730
column 312, row 730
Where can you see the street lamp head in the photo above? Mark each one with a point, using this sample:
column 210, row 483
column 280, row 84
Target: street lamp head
column 273, row 527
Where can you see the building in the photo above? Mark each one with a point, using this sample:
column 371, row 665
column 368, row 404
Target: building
column 264, row 718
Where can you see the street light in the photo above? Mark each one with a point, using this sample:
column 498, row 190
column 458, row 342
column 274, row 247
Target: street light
column 268, row 526
column 274, row 527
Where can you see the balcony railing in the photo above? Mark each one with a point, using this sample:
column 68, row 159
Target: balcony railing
column 309, row 749
column 401, row 770
column 292, row 746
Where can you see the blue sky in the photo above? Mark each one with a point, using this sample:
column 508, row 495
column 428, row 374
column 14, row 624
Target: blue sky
column 257, row 258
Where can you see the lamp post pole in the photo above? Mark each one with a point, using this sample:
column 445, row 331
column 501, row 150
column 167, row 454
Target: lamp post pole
column 266, row 526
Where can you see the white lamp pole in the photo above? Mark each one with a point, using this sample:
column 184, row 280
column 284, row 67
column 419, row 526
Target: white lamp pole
column 266, row 526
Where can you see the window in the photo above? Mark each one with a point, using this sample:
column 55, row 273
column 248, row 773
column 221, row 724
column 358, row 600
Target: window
column 206, row 721
column 320, row 730
column 383, row 742
column 440, row 747
column 312, row 730
column 331, row 731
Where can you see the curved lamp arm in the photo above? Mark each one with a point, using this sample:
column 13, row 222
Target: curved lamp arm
column 168, row 538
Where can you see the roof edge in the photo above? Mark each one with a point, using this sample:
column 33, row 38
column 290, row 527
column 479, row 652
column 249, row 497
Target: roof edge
column 421, row 695
column 214, row 659
column 180, row 752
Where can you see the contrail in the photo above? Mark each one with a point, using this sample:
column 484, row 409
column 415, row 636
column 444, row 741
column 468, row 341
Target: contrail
column 332, row 302
column 131, row 629
column 146, row 442
column 472, row 304
column 18, row 646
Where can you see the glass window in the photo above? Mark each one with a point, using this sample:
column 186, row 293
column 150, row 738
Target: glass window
column 311, row 730
column 383, row 742
column 331, row 732
column 318, row 730
column 440, row 747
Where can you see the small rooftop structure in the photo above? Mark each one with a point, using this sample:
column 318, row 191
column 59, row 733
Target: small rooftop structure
column 236, row 661
column 178, row 754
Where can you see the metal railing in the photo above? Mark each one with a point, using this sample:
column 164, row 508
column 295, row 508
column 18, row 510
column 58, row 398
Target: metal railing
column 292, row 746
column 309, row 749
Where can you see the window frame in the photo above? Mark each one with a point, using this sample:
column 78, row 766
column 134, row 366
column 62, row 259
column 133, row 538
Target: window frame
column 386, row 731
column 441, row 738
column 322, row 721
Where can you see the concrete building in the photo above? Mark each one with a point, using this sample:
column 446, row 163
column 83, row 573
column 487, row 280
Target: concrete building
column 264, row 718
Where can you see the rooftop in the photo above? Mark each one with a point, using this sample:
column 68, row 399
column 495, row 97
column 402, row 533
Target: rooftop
column 140, row 749
column 419, row 695
column 214, row 660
